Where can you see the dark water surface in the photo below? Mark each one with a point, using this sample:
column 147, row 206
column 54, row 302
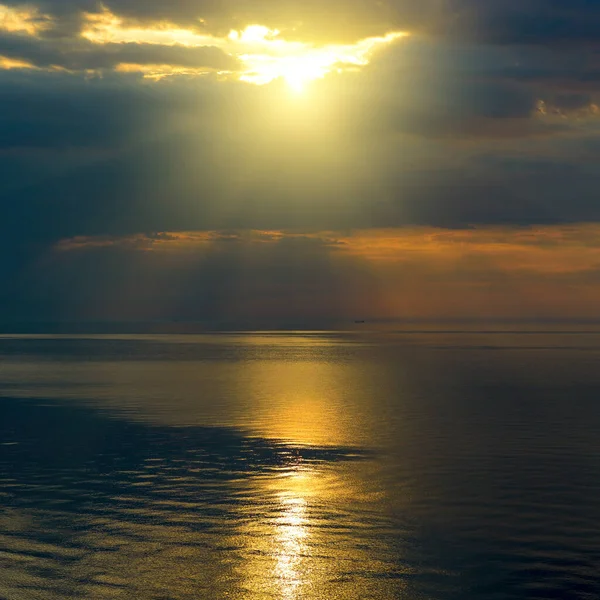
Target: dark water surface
column 300, row 466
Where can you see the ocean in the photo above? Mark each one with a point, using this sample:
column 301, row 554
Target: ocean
column 418, row 465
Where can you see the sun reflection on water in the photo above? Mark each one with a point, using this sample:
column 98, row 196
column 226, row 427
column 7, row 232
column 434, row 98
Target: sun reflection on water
column 279, row 542
column 291, row 528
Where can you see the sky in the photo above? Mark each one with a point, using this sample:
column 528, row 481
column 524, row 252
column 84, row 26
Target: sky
column 270, row 162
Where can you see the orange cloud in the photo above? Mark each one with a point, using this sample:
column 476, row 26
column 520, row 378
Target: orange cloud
column 544, row 249
column 545, row 271
column 550, row 249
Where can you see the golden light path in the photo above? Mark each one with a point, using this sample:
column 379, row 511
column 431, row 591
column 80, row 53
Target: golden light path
column 302, row 403
column 291, row 532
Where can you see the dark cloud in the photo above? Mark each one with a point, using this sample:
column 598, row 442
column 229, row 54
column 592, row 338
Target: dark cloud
column 445, row 104
column 55, row 111
column 310, row 19
column 545, row 22
column 80, row 54
column 234, row 280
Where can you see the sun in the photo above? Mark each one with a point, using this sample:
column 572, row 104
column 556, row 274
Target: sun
column 296, row 70
column 300, row 70
column 299, row 63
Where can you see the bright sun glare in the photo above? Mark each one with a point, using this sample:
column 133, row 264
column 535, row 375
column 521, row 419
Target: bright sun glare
column 298, row 63
column 296, row 71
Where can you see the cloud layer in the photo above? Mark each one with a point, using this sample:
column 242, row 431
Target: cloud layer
column 275, row 278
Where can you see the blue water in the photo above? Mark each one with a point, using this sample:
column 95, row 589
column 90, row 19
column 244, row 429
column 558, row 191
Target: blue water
column 301, row 466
